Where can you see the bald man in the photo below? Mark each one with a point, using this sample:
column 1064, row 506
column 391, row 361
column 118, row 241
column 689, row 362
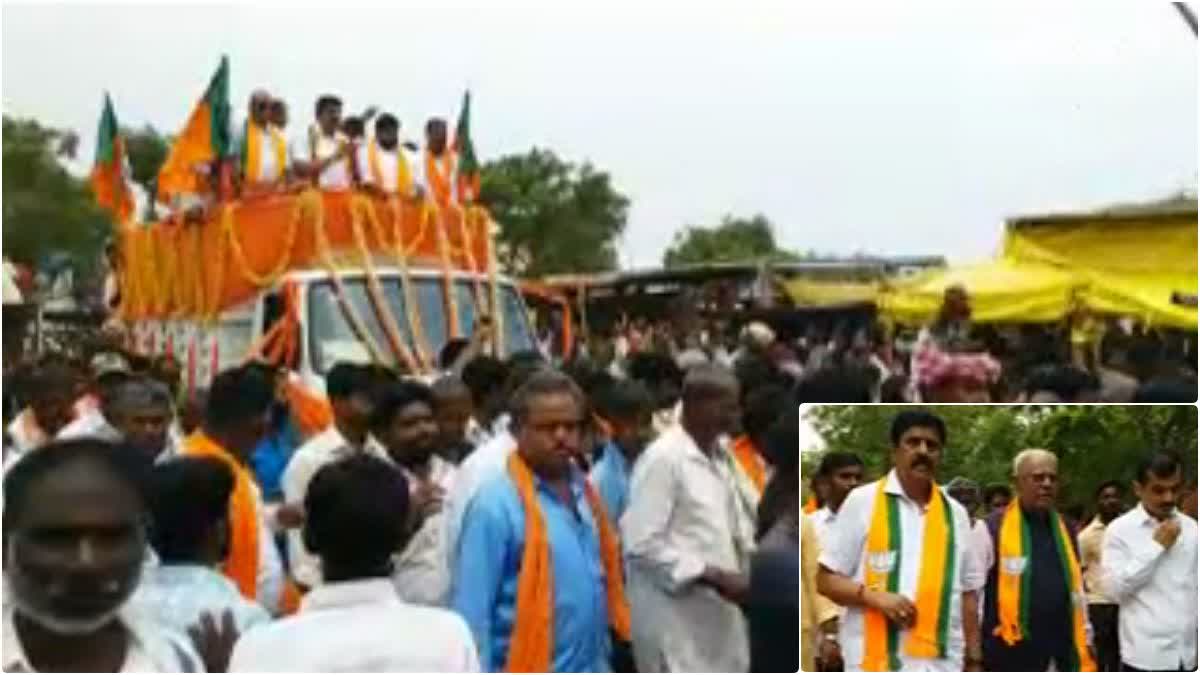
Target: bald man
column 1046, row 624
column 687, row 539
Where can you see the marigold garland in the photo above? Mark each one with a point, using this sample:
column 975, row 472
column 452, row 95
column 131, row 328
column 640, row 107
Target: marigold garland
column 323, row 253
column 416, row 328
column 383, row 312
column 281, row 267
column 448, row 294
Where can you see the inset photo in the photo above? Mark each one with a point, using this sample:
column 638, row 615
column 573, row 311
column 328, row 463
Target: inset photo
column 998, row 538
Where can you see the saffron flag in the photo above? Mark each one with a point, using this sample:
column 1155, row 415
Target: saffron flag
column 204, row 140
column 468, row 163
column 108, row 169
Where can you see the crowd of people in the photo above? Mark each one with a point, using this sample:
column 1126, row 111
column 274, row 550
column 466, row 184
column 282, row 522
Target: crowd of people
column 950, row 360
column 510, row 515
column 334, row 152
column 900, row 573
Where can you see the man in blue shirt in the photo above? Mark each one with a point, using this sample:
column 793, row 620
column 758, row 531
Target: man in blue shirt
column 629, row 410
column 548, row 417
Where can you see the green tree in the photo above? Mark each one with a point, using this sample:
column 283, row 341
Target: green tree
column 147, row 151
column 46, row 209
column 1093, row 443
column 554, row 216
column 734, row 240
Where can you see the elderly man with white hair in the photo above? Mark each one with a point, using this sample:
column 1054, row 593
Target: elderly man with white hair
column 1035, row 612
column 261, row 146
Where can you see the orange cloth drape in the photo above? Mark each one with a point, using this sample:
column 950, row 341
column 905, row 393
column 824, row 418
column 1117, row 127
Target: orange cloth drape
column 751, row 462
column 532, row 645
column 242, row 564
column 312, row 412
column 811, row 505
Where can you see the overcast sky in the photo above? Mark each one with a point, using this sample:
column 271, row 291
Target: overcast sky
column 889, row 130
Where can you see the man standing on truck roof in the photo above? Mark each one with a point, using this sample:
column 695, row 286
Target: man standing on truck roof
column 439, row 165
column 261, row 148
column 325, row 153
column 386, row 167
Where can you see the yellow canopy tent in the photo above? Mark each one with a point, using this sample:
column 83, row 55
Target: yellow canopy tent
column 1000, row 291
column 810, row 293
column 1128, row 261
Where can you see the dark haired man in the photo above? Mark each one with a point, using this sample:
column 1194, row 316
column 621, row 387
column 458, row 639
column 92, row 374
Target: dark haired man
column 385, row 166
column 405, row 425
column 189, row 505
column 235, row 420
column 324, row 154
column 351, row 390
column 897, row 616
column 1102, row 610
column 540, row 524
column 75, row 537
column 1149, row 561
column 354, row 621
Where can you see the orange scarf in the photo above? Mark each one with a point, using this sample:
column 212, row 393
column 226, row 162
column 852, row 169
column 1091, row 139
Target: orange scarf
column 811, row 505
column 440, row 179
column 751, row 462
column 242, row 564
column 312, row 411
column 532, row 646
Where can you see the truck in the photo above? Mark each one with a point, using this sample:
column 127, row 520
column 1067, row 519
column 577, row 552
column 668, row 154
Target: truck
column 312, row 278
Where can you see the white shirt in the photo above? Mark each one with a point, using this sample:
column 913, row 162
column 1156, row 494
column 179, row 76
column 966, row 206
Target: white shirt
column 355, row 627
column 822, row 519
column 420, row 575
column 388, row 161
column 845, row 551
column 176, row 596
column 325, row 448
column 982, row 548
column 684, row 514
column 1155, row 589
column 336, row 176
column 268, row 169
column 270, row 578
column 488, row 458
column 151, row 648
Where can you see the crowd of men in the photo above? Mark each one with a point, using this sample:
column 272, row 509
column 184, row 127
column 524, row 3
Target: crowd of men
column 334, row 152
column 904, row 574
column 950, row 360
column 508, row 516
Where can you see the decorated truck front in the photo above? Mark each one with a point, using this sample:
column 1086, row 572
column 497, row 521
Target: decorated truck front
column 313, row 278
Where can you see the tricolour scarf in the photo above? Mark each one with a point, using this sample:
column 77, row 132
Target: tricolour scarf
column 1012, row 584
column 885, row 550
column 532, row 645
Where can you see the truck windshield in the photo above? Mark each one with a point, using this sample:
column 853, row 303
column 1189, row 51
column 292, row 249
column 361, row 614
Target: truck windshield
column 331, row 339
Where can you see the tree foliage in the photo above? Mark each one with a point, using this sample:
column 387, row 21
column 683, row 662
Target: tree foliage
column 554, row 216
column 733, row 240
column 147, row 151
column 46, row 209
column 1093, row 443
